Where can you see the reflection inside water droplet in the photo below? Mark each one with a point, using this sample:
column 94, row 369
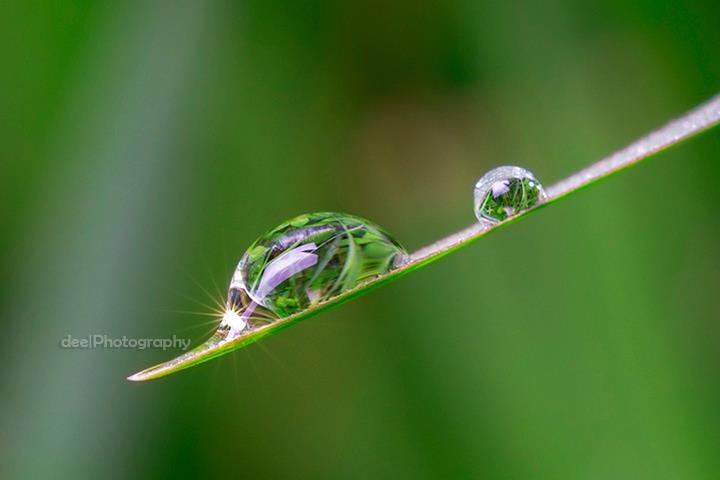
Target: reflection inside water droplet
column 504, row 192
column 305, row 261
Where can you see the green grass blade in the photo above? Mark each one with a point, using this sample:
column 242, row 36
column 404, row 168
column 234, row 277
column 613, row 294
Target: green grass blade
column 694, row 122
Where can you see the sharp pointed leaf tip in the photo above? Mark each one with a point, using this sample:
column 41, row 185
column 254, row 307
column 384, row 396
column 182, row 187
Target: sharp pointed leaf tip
column 148, row 374
column 136, row 377
column 211, row 348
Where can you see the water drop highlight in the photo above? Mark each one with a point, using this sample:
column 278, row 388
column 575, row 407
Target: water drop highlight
column 504, row 192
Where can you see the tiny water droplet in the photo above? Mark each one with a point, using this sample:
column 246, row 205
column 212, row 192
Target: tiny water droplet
column 504, row 192
column 304, row 261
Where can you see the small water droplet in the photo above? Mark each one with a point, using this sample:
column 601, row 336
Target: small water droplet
column 304, row 261
column 504, row 192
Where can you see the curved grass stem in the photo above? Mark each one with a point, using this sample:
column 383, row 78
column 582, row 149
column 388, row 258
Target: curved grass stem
column 692, row 123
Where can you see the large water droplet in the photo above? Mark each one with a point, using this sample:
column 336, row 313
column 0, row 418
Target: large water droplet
column 302, row 262
column 504, row 192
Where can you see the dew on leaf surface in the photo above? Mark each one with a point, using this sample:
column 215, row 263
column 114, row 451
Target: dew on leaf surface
column 302, row 262
column 504, row 192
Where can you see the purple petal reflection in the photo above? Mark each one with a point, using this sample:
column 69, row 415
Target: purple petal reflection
column 500, row 188
column 285, row 266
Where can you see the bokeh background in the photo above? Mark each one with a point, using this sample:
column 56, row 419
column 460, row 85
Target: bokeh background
column 146, row 144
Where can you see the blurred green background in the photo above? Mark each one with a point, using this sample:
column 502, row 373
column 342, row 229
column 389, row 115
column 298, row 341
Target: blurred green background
column 146, row 144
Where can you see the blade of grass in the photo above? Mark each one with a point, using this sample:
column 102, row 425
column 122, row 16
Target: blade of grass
column 692, row 123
